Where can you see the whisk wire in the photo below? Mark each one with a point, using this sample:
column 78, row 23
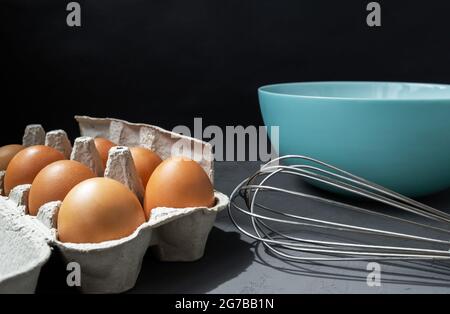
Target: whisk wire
column 277, row 241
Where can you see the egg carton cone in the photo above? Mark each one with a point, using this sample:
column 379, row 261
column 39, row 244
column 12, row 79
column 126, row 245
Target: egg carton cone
column 172, row 234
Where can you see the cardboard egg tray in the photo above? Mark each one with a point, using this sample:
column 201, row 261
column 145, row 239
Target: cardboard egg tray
column 174, row 234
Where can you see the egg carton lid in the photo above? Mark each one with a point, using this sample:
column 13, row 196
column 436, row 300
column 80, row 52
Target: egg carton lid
column 175, row 234
column 164, row 143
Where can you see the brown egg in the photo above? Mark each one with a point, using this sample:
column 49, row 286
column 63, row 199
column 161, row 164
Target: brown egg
column 27, row 163
column 7, row 152
column 178, row 182
column 54, row 182
column 103, row 146
column 97, row 210
column 145, row 161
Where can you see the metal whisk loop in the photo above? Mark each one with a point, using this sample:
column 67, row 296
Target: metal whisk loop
column 300, row 248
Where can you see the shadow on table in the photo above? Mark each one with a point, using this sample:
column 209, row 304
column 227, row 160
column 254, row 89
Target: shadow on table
column 418, row 273
column 52, row 279
column 226, row 256
column 439, row 200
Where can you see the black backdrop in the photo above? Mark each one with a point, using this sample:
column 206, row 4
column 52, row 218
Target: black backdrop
column 168, row 61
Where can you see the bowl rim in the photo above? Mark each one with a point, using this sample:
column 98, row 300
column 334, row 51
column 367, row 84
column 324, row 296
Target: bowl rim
column 264, row 90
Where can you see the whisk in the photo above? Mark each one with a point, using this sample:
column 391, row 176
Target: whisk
column 349, row 240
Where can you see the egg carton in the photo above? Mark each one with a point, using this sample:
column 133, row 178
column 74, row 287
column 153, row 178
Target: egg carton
column 173, row 234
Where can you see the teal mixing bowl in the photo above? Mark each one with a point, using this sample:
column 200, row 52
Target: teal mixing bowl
column 394, row 134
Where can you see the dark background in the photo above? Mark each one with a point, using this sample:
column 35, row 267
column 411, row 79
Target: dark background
column 167, row 61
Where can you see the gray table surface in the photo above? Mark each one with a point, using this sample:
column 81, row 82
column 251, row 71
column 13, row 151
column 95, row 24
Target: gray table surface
column 235, row 264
